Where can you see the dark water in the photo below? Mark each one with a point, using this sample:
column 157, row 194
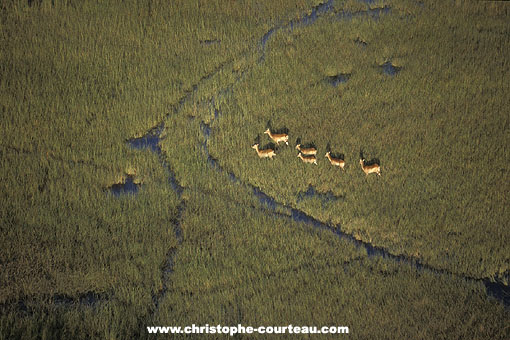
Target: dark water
column 149, row 141
column 341, row 78
column 24, row 305
column 88, row 299
column 266, row 37
column 303, row 21
column 389, row 69
column 312, row 17
column 497, row 290
column 206, row 130
column 264, row 199
column 373, row 13
column 128, row 187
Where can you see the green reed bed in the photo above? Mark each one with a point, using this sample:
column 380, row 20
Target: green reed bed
column 77, row 80
column 439, row 128
column 240, row 263
column 80, row 79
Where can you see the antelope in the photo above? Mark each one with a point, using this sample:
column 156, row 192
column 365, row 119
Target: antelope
column 335, row 161
column 268, row 153
column 368, row 169
column 307, row 151
column 278, row 137
column 308, row 159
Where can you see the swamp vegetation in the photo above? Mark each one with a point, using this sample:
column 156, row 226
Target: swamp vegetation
column 169, row 96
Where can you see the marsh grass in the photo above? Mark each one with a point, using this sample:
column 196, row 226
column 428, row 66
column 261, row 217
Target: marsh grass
column 439, row 128
column 267, row 270
column 240, row 263
column 79, row 79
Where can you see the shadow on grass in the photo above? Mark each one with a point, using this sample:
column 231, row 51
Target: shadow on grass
column 369, row 162
column 325, row 197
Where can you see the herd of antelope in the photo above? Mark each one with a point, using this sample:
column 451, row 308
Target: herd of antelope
column 308, row 155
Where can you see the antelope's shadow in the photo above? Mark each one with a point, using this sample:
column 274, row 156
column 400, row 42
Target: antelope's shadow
column 372, row 161
column 334, row 154
column 270, row 126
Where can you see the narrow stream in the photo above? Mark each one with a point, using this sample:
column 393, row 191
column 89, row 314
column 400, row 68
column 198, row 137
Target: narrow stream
column 303, row 21
column 151, row 141
column 372, row 13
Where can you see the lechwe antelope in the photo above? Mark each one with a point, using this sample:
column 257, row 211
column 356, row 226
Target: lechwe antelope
column 267, row 153
column 335, row 161
column 369, row 169
column 307, row 151
column 308, row 159
column 278, row 137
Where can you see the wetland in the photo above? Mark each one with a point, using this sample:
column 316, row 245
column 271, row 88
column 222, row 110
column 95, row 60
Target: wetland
column 173, row 99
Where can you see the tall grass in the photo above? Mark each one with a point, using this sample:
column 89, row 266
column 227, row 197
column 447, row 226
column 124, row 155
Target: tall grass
column 439, row 129
column 240, row 263
column 78, row 79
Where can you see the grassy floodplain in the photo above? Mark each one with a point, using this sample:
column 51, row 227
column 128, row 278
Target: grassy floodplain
column 440, row 129
column 78, row 79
